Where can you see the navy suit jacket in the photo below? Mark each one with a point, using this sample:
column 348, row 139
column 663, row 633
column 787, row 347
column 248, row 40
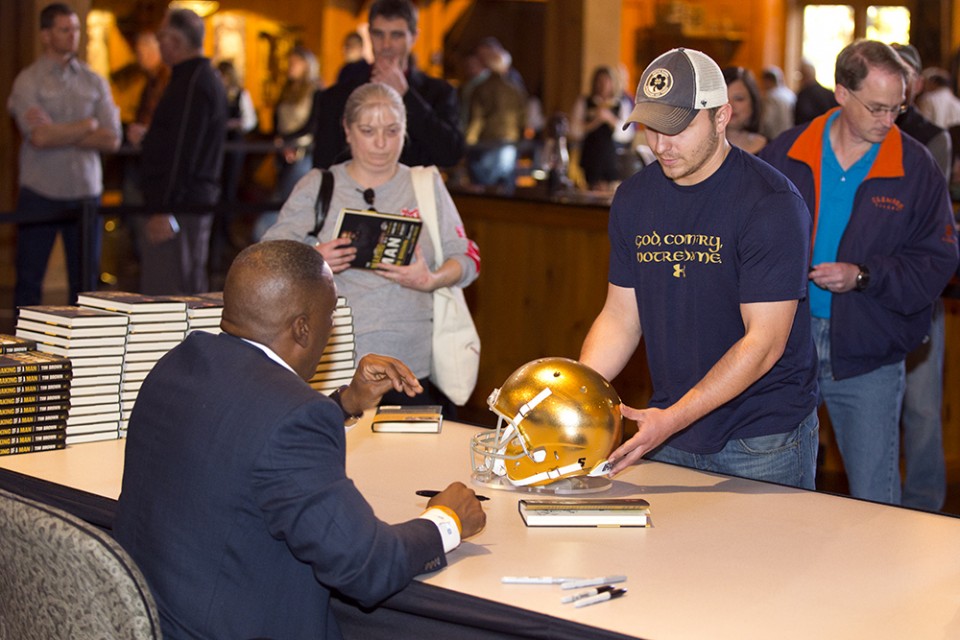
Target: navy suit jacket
column 236, row 506
column 433, row 119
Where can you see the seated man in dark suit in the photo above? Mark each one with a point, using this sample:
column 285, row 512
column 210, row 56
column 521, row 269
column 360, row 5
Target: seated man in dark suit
column 433, row 113
column 235, row 502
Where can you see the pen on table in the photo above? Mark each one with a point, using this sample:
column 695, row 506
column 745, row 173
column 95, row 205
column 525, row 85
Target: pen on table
column 602, row 597
column 577, row 583
column 586, row 594
column 534, row 580
column 429, row 493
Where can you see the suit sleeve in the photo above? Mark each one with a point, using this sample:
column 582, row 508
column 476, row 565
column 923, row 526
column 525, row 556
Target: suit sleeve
column 307, row 500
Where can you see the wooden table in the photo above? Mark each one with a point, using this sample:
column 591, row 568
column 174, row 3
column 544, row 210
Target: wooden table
column 725, row 557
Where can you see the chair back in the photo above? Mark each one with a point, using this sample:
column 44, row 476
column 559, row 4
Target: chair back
column 64, row 578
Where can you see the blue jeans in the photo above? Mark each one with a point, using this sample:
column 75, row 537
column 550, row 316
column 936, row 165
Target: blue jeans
column 865, row 412
column 35, row 243
column 925, row 481
column 493, row 164
column 788, row 458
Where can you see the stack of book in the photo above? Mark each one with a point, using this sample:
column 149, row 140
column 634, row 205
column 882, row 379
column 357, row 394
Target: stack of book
column 339, row 360
column 34, row 397
column 156, row 325
column 94, row 342
column 204, row 311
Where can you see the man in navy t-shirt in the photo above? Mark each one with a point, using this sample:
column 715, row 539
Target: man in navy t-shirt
column 709, row 257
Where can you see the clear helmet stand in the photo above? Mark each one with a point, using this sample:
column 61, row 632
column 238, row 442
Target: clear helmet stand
column 575, row 485
column 488, row 462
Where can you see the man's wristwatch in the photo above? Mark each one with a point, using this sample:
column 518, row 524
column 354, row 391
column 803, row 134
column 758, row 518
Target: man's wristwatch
column 863, row 278
column 349, row 419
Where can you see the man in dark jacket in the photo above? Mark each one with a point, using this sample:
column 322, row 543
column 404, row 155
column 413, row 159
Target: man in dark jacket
column 925, row 473
column 235, row 501
column 884, row 246
column 433, row 114
column 180, row 162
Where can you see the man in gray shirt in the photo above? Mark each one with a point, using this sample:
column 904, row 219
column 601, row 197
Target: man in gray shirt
column 66, row 116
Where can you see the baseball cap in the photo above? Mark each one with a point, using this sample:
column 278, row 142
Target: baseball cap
column 674, row 87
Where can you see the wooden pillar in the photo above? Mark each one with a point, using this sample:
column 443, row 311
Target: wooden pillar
column 580, row 35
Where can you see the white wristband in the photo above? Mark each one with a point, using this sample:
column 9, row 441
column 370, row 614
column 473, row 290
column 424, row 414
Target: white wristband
column 449, row 532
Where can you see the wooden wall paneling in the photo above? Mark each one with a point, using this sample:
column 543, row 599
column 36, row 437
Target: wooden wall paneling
column 543, row 281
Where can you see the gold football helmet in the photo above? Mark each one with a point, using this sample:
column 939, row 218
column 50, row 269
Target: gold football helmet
column 562, row 419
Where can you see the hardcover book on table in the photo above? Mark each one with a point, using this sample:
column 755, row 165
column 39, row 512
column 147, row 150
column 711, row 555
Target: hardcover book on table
column 378, row 237
column 588, row 512
column 64, row 331
column 32, row 448
column 15, row 344
column 131, row 303
column 15, row 364
column 72, row 316
column 409, row 419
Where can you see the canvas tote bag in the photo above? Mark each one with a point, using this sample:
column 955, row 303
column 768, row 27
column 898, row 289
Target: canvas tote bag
column 456, row 344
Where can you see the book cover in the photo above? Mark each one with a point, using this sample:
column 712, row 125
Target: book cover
column 13, row 380
column 72, row 316
column 15, row 364
column 591, row 512
column 409, row 419
column 26, row 419
column 7, row 391
column 71, row 332
column 128, row 302
column 32, row 438
column 39, row 427
column 32, row 448
column 45, row 397
column 378, row 237
column 12, row 410
column 15, row 344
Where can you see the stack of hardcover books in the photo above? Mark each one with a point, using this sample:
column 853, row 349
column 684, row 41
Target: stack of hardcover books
column 94, row 342
column 339, row 360
column 34, row 397
column 204, row 311
column 156, row 325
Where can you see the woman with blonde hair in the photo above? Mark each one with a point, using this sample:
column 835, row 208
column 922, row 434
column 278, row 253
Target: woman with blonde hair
column 392, row 305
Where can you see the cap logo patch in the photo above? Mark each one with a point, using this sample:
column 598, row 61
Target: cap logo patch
column 659, row 83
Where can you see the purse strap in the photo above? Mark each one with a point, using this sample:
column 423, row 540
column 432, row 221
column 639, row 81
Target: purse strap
column 322, row 204
column 423, row 189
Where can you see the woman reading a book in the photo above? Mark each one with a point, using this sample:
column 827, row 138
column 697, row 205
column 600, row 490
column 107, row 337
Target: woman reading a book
column 392, row 304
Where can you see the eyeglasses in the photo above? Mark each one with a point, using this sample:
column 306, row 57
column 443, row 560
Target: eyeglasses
column 879, row 112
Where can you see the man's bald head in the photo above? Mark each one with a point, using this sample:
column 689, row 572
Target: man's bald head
column 270, row 285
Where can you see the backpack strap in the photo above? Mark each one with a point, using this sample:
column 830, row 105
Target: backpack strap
column 322, row 204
